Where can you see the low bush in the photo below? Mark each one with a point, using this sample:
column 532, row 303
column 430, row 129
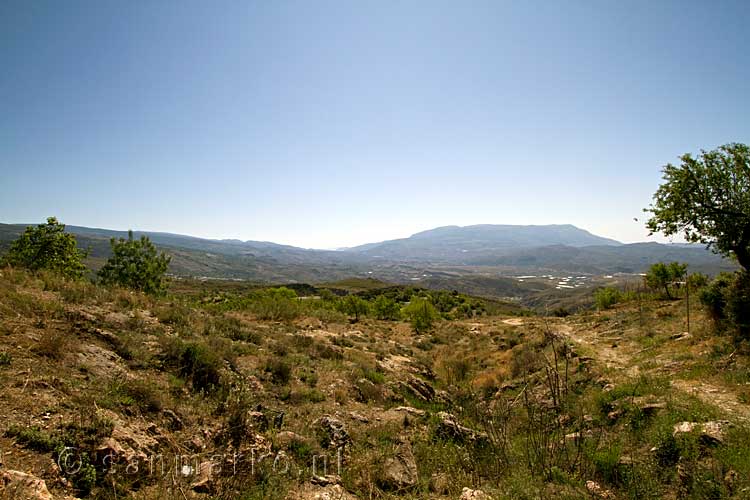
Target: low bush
column 421, row 314
column 201, row 366
column 33, row 438
column 606, row 297
column 275, row 304
column 281, row 372
column 714, row 296
column 738, row 305
column 52, row 344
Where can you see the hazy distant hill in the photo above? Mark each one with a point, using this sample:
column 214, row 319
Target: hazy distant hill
column 191, row 256
column 474, row 259
column 601, row 259
column 462, row 244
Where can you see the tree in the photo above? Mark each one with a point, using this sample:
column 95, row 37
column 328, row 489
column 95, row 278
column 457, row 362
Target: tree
column 708, row 200
column 356, row 306
column 661, row 275
column 48, row 246
column 421, row 313
column 386, row 308
column 135, row 264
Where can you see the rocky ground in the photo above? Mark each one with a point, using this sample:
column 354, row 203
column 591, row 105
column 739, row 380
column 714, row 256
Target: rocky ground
column 111, row 394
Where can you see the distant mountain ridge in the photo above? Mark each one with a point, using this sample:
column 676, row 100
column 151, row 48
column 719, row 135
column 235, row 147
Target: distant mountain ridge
column 476, row 259
column 462, row 243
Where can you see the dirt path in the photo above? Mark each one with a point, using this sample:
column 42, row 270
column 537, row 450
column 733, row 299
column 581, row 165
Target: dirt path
column 617, row 352
column 720, row 397
column 623, row 357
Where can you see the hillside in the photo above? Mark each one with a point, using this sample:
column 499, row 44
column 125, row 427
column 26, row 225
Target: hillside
column 631, row 258
column 210, row 380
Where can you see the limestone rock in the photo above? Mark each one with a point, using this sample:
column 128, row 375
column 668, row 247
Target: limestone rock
column 174, row 422
column 258, row 420
column 469, row 494
column 204, row 481
column 597, row 491
column 400, row 471
column 316, row 492
column 331, row 432
column 451, row 429
column 414, row 412
column 419, row 388
column 284, row 439
column 711, row 433
column 17, row 484
column 440, row 483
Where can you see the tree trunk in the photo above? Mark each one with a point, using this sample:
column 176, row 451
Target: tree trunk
column 743, row 257
column 666, row 289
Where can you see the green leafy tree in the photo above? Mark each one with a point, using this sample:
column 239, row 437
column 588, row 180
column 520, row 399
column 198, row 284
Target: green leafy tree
column 386, row 308
column 136, row 264
column 714, row 296
column 696, row 281
column 48, row 246
column 282, row 292
column 738, row 304
column 661, row 275
column 356, row 306
column 421, row 313
column 708, row 200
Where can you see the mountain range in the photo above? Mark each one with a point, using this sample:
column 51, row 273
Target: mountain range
column 480, row 259
column 455, row 244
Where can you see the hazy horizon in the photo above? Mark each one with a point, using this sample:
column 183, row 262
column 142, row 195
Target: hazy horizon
column 333, row 124
column 655, row 238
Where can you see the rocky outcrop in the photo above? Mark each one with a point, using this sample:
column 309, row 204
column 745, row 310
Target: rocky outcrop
column 204, row 481
column 16, row 484
column 316, row 492
column 449, row 428
column 596, row 491
column 331, row 432
column 400, row 470
column 469, row 494
column 419, row 389
column 440, row 483
column 286, row 439
column 711, row 433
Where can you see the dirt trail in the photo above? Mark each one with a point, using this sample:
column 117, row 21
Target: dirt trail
column 722, row 398
column 622, row 357
column 616, row 351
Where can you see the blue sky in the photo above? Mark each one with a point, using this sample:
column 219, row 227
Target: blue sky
column 326, row 124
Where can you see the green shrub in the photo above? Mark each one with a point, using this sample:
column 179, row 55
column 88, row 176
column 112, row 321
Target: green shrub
column 136, row 264
column 137, row 393
column 738, row 305
column 696, row 281
column 662, row 276
column 201, row 366
column 421, row 314
column 606, row 297
column 53, row 344
column 385, row 308
column 561, row 312
column 714, row 296
column 356, row 306
column 48, row 246
column 33, row 438
column 281, row 372
column 275, row 304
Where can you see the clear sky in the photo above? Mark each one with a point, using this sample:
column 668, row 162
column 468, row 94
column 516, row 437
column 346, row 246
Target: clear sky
column 326, row 124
